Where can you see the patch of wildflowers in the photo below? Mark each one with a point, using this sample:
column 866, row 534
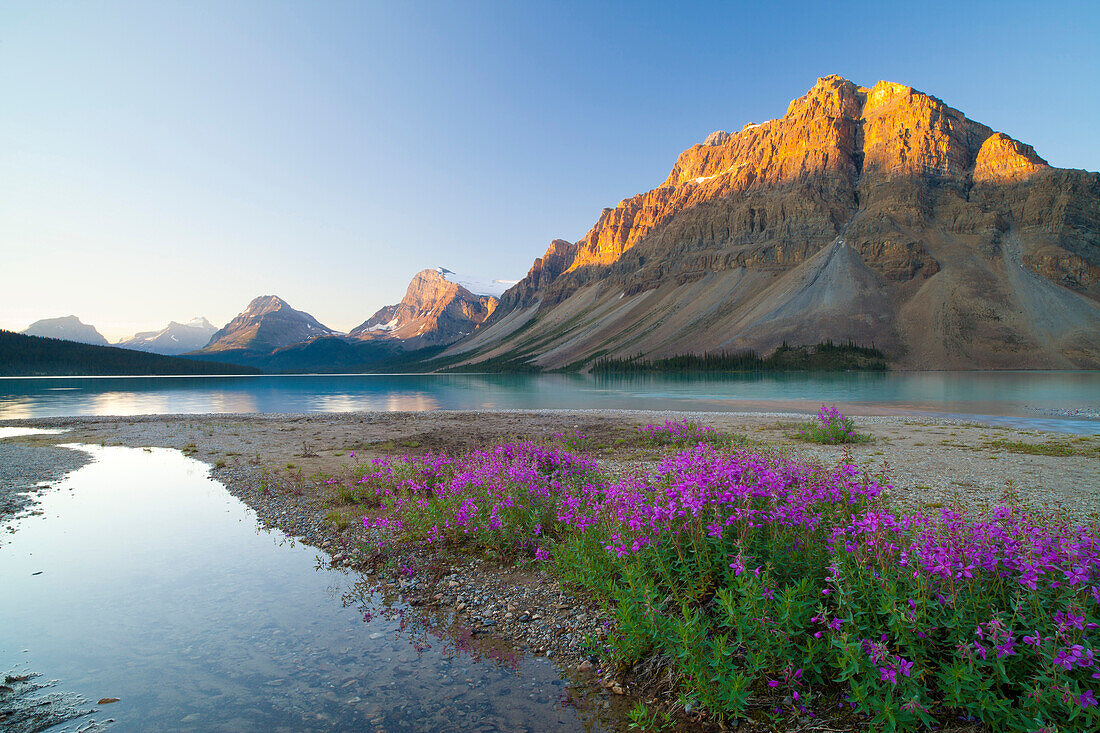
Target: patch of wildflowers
column 830, row 569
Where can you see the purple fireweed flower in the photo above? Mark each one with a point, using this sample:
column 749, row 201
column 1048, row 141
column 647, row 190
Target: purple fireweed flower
column 1069, row 620
column 1067, row 657
column 1086, row 699
column 1005, row 648
column 904, row 666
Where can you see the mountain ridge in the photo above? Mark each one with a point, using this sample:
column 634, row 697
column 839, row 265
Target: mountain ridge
column 266, row 324
column 29, row 356
column 174, row 339
column 66, row 328
column 438, row 308
column 932, row 213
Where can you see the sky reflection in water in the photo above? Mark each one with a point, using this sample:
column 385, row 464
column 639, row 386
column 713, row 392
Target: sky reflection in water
column 158, row 587
column 1068, row 401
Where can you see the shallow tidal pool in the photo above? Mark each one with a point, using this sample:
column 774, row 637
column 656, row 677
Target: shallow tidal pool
column 143, row 579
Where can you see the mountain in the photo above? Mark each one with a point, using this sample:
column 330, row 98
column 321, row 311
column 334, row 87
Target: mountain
column 340, row 354
column 267, row 324
column 879, row 216
column 175, row 338
column 27, row 356
column 439, row 308
column 67, row 328
column 477, row 285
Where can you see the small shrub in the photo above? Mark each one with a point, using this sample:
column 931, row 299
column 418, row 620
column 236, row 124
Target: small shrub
column 576, row 442
column 830, row 427
column 685, row 433
column 346, row 494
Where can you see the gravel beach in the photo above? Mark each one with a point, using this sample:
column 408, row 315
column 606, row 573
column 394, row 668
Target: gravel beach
column 24, row 467
column 279, row 464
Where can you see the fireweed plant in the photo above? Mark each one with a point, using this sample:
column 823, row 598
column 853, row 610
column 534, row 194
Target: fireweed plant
column 775, row 587
column 830, row 426
column 685, row 433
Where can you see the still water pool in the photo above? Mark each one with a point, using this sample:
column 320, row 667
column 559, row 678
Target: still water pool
column 143, row 579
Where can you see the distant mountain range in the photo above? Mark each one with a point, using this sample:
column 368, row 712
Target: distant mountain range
column 868, row 216
column 68, row 328
column 175, row 338
column 439, row 308
column 22, row 355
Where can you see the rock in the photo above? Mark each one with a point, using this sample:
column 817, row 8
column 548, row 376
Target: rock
column 268, row 323
column 585, row 667
column 876, row 215
column 66, row 328
column 434, row 311
column 107, row 700
column 1003, row 159
column 718, row 137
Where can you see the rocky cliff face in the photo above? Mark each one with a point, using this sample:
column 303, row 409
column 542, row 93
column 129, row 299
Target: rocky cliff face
column 175, row 338
column 267, row 324
column 66, row 328
column 875, row 214
column 434, row 311
column 559, row 256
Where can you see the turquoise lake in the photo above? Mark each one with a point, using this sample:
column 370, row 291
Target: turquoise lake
column 1062, row 401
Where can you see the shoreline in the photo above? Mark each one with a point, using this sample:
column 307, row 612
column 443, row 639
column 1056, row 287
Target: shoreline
column 278, row 465
column 926, row 459
column 27, row 469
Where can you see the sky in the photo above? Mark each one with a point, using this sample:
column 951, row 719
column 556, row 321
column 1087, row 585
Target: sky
column 165, row 160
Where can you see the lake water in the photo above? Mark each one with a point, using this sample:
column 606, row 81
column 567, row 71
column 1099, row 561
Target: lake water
column 145, row 580
column 1064, row 401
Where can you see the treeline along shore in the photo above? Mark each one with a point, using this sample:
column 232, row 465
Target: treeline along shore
column 35, row 356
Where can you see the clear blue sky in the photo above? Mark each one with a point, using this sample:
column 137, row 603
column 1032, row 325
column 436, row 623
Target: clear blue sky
column 161, row 160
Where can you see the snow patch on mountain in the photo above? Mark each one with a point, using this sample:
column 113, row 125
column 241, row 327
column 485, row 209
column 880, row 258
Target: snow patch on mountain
column 477, row 286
